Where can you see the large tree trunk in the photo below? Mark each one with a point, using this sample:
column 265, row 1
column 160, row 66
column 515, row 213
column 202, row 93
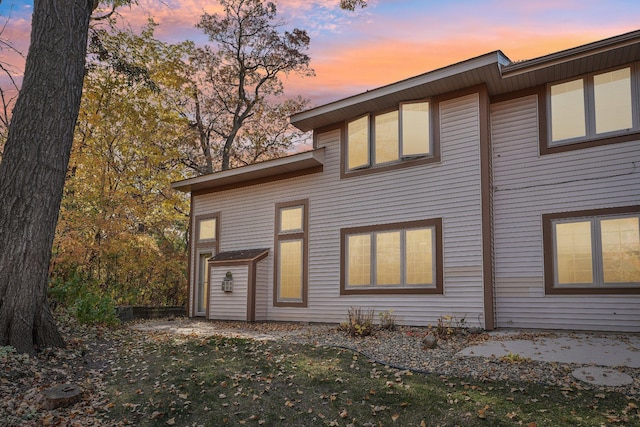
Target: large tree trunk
column 34, row 166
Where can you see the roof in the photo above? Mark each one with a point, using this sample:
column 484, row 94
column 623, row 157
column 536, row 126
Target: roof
column 284, row 167
column 467, row 73
column 240, row 255
column 494, row 69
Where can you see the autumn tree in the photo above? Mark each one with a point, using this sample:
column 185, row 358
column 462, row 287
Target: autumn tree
column 121, row 226
column 36, row 154
column 237, row 82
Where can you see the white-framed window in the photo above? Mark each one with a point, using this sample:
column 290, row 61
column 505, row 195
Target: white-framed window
column 291, row 254
column 593, row 251
column 391, row 258
column 390, row 138
column 594, row 106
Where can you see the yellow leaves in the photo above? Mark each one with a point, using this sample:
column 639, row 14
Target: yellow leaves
column 395, row 417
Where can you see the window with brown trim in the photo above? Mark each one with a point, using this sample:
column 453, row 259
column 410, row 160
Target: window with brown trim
column 595, row 251
column 392, row 258
column 390, row 139
column 291, row 254
column 594, row 109
column 206, row 237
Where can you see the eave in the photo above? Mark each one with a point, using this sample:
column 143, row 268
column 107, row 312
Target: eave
column 448, row 79
column 271, row 170
column 493, row 70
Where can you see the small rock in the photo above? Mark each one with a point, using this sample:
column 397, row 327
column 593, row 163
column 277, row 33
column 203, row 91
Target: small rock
column 60, row 396
column 430, row 341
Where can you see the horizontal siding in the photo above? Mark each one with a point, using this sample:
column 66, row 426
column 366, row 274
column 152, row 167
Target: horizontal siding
column 449, row 190
column 262, row 288
column 527, row 185
column 228, row 305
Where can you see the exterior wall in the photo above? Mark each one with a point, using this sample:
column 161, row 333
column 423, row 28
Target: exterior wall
column 228, row 305
column 450, row 190
column 527, row 185
column 263, row 298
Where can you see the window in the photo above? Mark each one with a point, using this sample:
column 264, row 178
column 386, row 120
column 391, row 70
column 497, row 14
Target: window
column 392, row 258
column 206, row 246
column 291, row 249
column 596, row 107
column 390, row 139
column 593, row 251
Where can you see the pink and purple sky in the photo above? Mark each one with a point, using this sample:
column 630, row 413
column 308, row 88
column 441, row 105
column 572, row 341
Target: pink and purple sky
column 389, row 40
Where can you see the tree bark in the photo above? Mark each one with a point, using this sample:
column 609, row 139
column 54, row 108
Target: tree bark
column 33, row 169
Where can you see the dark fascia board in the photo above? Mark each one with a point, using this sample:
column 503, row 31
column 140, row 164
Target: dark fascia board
column 240, row 255
column 307, row 120
column 571, row 54
column 258, row 171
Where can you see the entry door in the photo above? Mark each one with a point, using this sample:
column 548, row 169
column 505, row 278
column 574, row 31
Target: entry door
column 202, row 283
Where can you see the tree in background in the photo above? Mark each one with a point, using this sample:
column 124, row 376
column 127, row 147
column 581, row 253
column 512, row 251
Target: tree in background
column 237, row 83
column 121, row 226
column 39, row 139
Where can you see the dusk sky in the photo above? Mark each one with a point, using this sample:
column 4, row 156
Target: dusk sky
column 389, row 40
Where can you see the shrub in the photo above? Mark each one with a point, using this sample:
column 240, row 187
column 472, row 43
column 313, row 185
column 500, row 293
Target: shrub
column 93, row 309
column 387, row 320
column 359, row 322
column 448, row 326
column 83, row 300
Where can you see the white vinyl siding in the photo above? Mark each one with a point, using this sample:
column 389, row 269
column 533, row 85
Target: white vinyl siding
column 526, row 186
column 228, row 305
column 449, row 189
column 263, row 297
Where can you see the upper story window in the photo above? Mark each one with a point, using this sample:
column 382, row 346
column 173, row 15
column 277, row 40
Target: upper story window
column 594, row 109
column 390, row 139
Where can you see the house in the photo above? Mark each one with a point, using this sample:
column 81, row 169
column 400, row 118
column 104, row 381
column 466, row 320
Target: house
column 505, row 194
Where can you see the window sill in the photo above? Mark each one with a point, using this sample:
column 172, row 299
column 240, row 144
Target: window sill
column 593, row 290
column 400, row 164
column 437, row 290
column 633, row 135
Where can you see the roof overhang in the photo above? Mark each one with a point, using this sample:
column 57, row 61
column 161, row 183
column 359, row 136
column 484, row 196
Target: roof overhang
column 494, row 70
column 623, row 45
column 271, row 170
column 453, row 77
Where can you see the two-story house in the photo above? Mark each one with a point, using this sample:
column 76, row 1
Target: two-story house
column 506, row 194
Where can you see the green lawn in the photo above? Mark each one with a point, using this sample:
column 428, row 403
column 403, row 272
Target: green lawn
column 164, row 380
